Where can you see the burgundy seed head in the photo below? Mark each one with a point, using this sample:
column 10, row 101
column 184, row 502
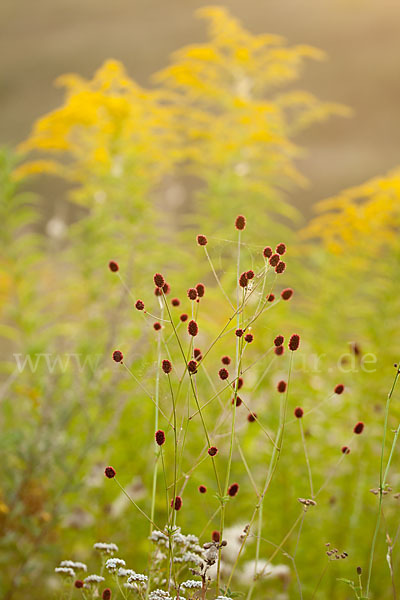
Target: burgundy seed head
column 281, row 248
column 226, row 360
column 166, row 366
column 267, row 252
column 280, row 267
column 160, row 437
column 359, row 570
column 192, row 293
column 238, row 401
column 223, row 373
column 110, row 472
column 200, row 288
column 249, row 337
column 358, row 427
column 117, row 356
column 157, row 326
column 233, row 489
column 215, row 536
column 239, row 383
column 251, row 417
column 278, row 341
column 298, row 412
column 166, row 288
column 286, row 294
column 193, row 328
column 157, row 291
column 197, row 354
column 294, row 342
column 239, row 332
column 270, row 297
column 78, row 583
column 159, row 280
column 192, row 366
column 240, row 222
column 177, row 504
column 175, row 302
column 279, row 350
column 212, row 451
column 273, row 261
column 106, row 594
column 250, row 274
column 202, row 240
column 139, row 305
column 281, row 387
column 202, row 489
column 339, row 388
column 243, row 280
column 113, row 266
column 345, row 450
column 183, row 317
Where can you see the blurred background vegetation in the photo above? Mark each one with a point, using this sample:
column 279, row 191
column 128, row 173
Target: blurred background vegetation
column 129, row 159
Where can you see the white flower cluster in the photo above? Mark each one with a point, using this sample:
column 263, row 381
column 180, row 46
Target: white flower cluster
column 158, row 537
column 125, row 572
column 223, row 598
column 105, row 548
column 137, row 577
column 159, row 595
column 76, row 565
column 66, row 571
column 91, row 579
column 191, row 557
column 191, row 584
column 112, row 564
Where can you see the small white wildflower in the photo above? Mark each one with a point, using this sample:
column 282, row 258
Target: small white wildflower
column 130, row 586
column 137, row 577
column 79, row 566
column 179, row 538
column 66, row 571
column 105, row 548
column 192, row 539
column 192, row 584
column 125, row 572
column 159, row 595
column 191, row 557
column 92, row 579
column 223, row 598
column 158, row 536
column 112, row 564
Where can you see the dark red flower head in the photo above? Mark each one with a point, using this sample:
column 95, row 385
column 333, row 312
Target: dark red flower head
column 278, row 341
column 249, row 337
column 110, row 472
column 267, row 252
column 233, row 489
column 200, row 288
column 250, row 274
column 175, row 302
column 166, row 366
column 212, row 451
column 274, row 259
column 270, row 297
column 226, row 360
column 197, row 353
column 157, row 326
column 358, row 427
column 160, row 437
column 345, row 450
column 243, row 280
column 280, row 249
column 78, row 583
column 239, row 332
column 240, row 222
column 193, row 328
column 177, row 504
column 223, row 373
column 280, row 267
column 192, row 366
column 202, row 489
column 215, row 536
column 298, row 412
column 192, row 293
column 139, row 305
column 117, row 356
column 202, row 240
column 294, row 342
column 238, row 401
column 166, row 288
column 251, row 417
column 159, row 280
column 279, row 350
column 157, row 291
column 286, row 294
column 339, row 388
column 239, row 383
column 113, row 266
column 281, row 387
column 183, row 317
column 106, row 594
